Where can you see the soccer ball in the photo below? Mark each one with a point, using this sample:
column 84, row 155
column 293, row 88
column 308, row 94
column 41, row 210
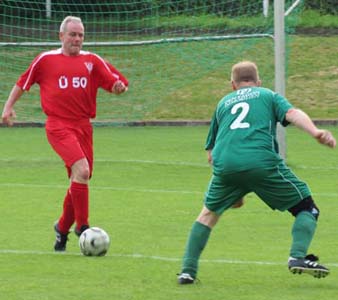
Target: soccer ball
column 94, row 241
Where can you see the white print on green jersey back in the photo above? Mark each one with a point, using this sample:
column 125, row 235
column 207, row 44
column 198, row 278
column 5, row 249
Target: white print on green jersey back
column 238, row 121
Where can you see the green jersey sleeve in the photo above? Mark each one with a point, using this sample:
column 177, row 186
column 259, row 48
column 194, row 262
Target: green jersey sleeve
column 281, row 106
column 211, row 138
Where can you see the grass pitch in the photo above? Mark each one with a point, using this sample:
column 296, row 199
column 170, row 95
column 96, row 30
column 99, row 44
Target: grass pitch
column 146, row 191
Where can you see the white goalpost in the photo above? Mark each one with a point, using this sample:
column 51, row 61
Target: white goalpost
column 279, row 41
column 279, row 37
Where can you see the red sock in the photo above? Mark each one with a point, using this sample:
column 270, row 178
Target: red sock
column 67, row 218
column 79, row 192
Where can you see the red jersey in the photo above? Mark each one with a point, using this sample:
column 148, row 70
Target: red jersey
column 69, row 84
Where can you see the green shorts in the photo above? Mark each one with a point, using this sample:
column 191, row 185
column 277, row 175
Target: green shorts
column 278, row 187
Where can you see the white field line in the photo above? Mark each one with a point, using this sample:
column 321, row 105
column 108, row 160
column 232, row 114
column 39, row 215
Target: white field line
column 151, row 257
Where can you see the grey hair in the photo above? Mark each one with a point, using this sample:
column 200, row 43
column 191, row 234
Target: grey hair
column 67, row 20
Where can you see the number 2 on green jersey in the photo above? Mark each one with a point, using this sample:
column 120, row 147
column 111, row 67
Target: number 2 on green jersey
column 239, row 121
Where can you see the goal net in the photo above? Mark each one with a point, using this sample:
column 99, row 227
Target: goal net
column 177, row 55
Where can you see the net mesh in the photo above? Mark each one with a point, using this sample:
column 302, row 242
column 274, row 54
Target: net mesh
column 177, row 55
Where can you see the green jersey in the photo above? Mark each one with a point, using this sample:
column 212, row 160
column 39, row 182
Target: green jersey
column 242, row 133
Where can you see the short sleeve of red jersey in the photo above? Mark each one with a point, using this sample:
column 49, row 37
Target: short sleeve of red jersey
column 30, row 76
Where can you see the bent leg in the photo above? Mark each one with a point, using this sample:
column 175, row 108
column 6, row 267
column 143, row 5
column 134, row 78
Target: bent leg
column 197, row 240
column 306, row 213
column 302, row 233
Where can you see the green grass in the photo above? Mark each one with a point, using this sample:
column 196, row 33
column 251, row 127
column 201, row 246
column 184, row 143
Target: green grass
column 310, row 81
column 314, row 19
column 146, row 191
column 305, row 19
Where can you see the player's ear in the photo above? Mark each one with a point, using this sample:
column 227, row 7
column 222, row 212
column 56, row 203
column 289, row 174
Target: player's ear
column 233, row 84
column 259, row 83
column 61, row 36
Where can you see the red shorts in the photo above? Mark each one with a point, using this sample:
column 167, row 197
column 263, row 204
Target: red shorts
column 71, row 140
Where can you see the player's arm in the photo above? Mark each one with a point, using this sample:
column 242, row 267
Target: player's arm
column 121, row 85
column 301, row 120
column 8, row 113
column 211, row 138
column 118, row 73
column 108, row 77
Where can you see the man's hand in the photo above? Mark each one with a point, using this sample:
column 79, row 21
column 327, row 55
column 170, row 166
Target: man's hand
column 7, row 116
column 8, row 113
column 303, row 121
column 238, row 204
column 325, row 137
column 209, row 156
column 119, row 87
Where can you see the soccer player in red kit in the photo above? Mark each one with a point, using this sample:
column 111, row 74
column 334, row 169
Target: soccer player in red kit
column 69, row 79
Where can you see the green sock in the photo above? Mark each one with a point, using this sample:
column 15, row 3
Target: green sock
column 302, row 233
column 198, row 238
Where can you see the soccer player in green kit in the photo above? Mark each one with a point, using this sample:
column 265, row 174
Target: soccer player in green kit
column 243, row 151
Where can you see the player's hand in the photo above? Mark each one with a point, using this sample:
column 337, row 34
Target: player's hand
column 7, row 116
column 119, row 87
column 325, row 137
column 209, row 157
column 238, row 204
